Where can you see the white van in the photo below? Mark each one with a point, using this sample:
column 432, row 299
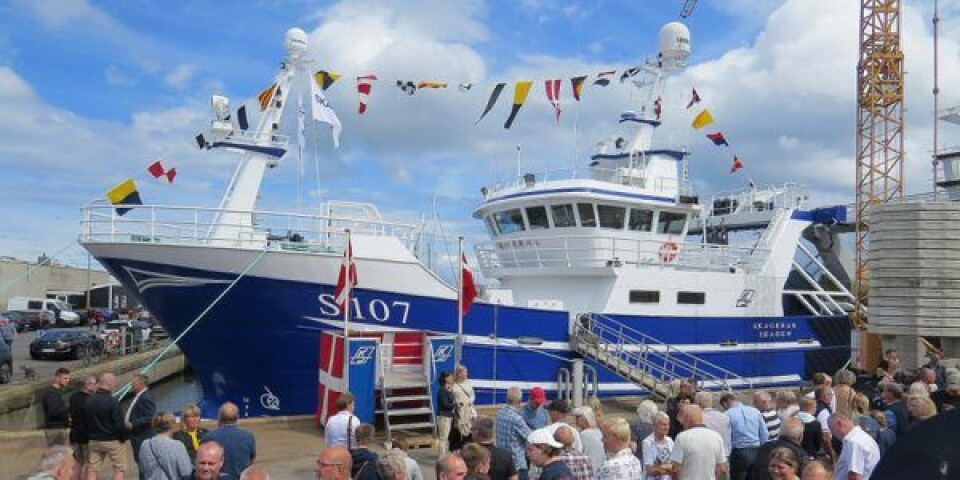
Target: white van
column 62, row 311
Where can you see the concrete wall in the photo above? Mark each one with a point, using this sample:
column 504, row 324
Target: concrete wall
column 914, row 276
column 43, row 279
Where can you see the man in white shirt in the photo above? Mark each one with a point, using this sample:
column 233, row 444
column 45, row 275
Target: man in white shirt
column 341, row 428
column 698, row 452
column 714, row 419
column 860, row 453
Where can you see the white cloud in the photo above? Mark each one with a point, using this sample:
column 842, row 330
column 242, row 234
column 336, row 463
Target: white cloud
column 58, row 13
column 180, row 76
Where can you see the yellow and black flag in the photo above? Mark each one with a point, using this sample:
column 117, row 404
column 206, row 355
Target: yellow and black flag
column 265, row 96
column 520, row 92
column 324, row 78
column 577, row 84
column 124, row 194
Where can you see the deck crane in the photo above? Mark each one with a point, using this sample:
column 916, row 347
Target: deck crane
column 687, row 9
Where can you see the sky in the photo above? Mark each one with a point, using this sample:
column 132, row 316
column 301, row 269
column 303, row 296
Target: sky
column 91, row 92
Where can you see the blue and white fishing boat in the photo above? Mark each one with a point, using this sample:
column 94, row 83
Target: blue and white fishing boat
column 618, row 263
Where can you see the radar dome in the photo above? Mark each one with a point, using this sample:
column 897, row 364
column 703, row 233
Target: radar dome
column 674, row 43
column 296, row 42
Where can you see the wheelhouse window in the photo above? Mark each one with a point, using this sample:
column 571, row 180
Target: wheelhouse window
column 644, row 296
column 691, row 298
column 491, row 225
column 587, row 217
column 563, row 216
column 537, row 217
column 671, row 222
column 640, row 220
column 611, row 217
column 509, row 221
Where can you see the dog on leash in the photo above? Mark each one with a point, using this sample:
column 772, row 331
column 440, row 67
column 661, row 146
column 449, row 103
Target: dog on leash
column 28, row 372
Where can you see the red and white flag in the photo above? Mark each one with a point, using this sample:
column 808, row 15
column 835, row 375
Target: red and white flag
column 347, row 278
column 364, row 84
column 553, row 94
column 468, row 289
column 156, row 169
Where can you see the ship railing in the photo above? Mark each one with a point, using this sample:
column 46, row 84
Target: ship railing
column 818, row 300
column 184, row 225
column 588, row 251
column 755, row 199
column 648, row 360
column 622, row 175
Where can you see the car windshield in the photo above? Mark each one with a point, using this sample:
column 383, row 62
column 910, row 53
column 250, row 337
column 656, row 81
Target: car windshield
column 59, row 335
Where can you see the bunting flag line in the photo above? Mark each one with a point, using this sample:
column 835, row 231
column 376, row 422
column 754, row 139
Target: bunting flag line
column 321, row 112
column 717, row 139
column 737, row 164
column 156, row 169
column 702, row 120
column 265, row 96
column 408, row 87
column 124, row 194
column 242, row 118
column 494, row 95
column 694, row 99
column 657, row 108
column 364, row 84
column 432, row 85
column 603, row 78
column 324, row 78
column 577, row 84
column 553, row 94
column 520, row 92
column 628, row 73
column 465, row 86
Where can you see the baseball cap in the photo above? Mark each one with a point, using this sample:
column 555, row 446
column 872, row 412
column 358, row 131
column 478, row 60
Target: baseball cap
column 543, row 436
column 537, row 394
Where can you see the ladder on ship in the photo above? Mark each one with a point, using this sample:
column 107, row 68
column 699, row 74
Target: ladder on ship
column 644, row 360
column 405, row 396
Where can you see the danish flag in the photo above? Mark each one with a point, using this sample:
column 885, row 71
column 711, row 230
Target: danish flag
column 346, row 281
column 468, row 289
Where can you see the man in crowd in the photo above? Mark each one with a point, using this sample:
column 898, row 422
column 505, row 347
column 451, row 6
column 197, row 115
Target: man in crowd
column 79, row 437
column 501, row 460
column 939, row 370
column 557, row 411
column 714, row 419
column 821, row 379
column 341, row 428
column 255, row 472
column 791, row 434
column 621, row 463
column 451, row 467
column 812, row 441
column 56, row 464
column 747, row 432
column 578, row 463
column 771, row 418
column 591, row 436
column 239, row 446
column 860, row 453
column 105, row 429
column 56, row 412
column 140, row 415
column 948, row 398
column 333, row 463
column 898, row 418
column 363, row 459
column 209, row 461
column 391, row 466
column 698, row 452
column 825, row 398
column 8, row 331
column 512, row 431
column 816, row 470
column 533, row 412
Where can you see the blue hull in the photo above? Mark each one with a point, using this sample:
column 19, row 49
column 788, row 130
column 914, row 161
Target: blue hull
column 259, row 346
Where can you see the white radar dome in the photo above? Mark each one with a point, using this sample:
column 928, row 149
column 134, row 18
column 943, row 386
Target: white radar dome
column 296, row 42
column 674, row 42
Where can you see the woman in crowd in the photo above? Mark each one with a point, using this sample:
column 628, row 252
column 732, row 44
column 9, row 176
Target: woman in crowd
column 787, row 405
column 477, row 459
column 161, row 456
column 465, row 412
column 861, row 416
column 783, row 464
column 843, row 391
column 920, row 408
column 446, row 404
column 657, row 448
column 642, row 427
column 190, row 430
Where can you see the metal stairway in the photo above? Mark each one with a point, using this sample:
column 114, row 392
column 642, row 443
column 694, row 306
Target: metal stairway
column 644, row 360
column 406, row 401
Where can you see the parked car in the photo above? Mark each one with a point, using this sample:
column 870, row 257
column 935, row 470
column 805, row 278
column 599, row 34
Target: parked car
column 62, row 311
column 6, row 363
column 65, row 343
column 105, row 314
column 27, row 320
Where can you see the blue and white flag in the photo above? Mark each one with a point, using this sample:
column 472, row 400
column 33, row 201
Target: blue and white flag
column 322, row 112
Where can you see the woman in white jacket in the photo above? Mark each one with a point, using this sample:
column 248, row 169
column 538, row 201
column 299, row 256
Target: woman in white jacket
column 465, row 412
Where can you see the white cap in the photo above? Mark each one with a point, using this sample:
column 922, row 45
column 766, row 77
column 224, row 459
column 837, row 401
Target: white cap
column 587, row 414
column 543, row 436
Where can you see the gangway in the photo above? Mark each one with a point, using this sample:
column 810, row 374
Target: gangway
column 644, row 360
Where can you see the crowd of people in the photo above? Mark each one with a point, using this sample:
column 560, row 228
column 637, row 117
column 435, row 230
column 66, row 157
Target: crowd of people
column 840, row 430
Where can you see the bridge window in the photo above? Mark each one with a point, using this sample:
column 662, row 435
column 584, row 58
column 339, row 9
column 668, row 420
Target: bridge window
column 611, row 217
column 640, row 220
column 491, row 225
column 644, row 296
column 537, row 217
column 563, row 216
column 691, row 298
column 587, row 217
column 510, row 221
column 671, row 222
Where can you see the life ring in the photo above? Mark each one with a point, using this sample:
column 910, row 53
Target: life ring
column 668, row 251
column 113, row 340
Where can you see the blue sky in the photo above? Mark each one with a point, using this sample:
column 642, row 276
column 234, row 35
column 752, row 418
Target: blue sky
column 92, row 91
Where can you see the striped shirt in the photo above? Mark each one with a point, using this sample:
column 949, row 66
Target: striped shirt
column 579, row 464
column 772, row 419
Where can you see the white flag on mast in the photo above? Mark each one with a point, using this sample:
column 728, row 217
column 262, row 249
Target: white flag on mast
column 323, row 113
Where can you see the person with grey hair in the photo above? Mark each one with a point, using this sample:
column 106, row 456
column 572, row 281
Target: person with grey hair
column 656, row 449
column 763, row 402
column 512, row 431
column 255, row 472
column 714, row 419
column 57, row 463
column 391, row 466
column 590, row 436
column 642, row 427
column 860, row 453
column 451, row 467
column 791, row 436
column 501, row 460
